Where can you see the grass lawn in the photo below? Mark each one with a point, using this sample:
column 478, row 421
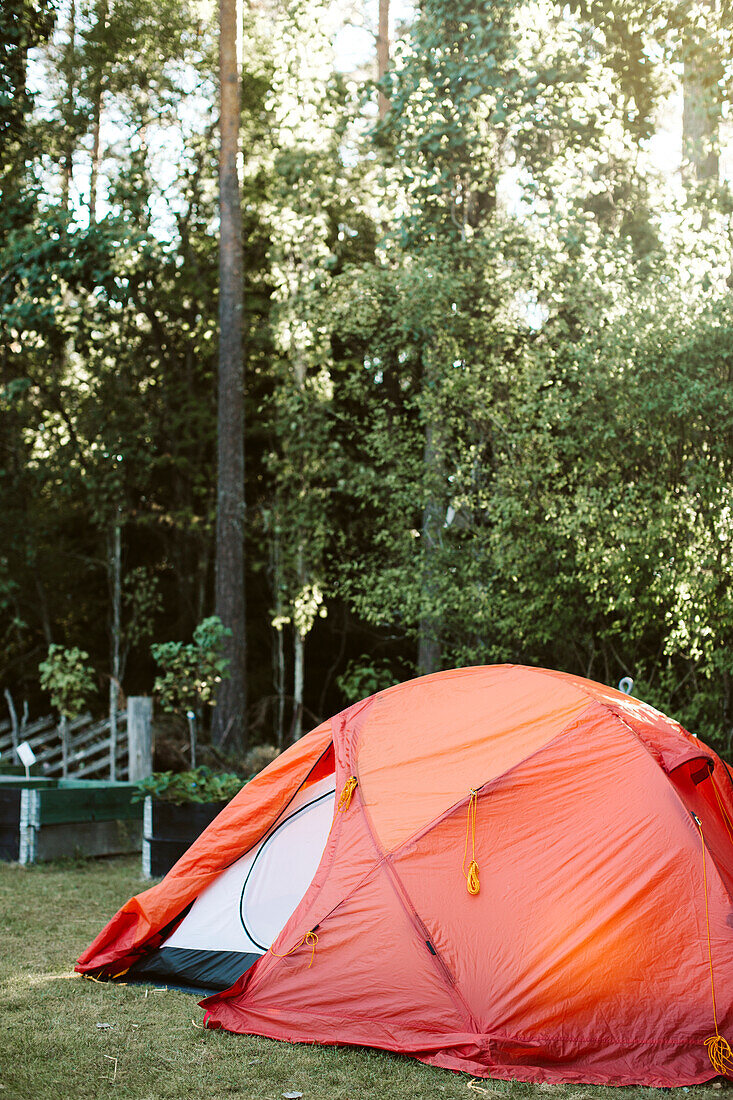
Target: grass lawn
column 52, row 1049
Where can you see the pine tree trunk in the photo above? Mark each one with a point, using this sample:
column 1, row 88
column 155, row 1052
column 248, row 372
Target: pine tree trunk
column 67, row 167
column 115, row 566
column 383, row 52
column 97, row 126
column 230, row 714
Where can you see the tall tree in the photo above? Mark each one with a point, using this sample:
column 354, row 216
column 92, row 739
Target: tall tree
column 310, row 208
column 230, row 722
column 68, row 72
column 97, row 41
column 383, row 53
column 460, row 54
column 23, row 25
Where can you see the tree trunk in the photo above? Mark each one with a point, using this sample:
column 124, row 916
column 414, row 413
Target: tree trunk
column 338, row 658
column 69, row 66
column 278, row 653
column 43, row 611
column 97, row 123
column 296, row 730
column 296, row 727
column 383, row 52
column 115, row 566
column 192, row 737
column 701, row 109
column 230, row 713
column 94, row 174
column 280, row 689
column 14, row 724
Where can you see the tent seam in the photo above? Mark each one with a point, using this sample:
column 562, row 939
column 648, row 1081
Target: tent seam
column 492, row 784
column 686, row 813
column 640, row 740
column 488, row 785
column 401, row 894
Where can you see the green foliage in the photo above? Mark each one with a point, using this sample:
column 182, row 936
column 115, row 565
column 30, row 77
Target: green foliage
column 365, row 676
column 488, row 339
column 67, row 679
column 24, row 26
column 107, row 410
column 200, row 785
column 142, row 602
column 193, row 672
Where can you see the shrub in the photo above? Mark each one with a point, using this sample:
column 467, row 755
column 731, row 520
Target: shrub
column 199, row 785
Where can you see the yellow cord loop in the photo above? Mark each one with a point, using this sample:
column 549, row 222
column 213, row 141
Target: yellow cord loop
column 310, row 938
column 472, row 882
column 718, row 1048
column 345, row 799
column 719, row 1053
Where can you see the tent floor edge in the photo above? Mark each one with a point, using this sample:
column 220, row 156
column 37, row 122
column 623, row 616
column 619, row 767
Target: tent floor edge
column 200, row 971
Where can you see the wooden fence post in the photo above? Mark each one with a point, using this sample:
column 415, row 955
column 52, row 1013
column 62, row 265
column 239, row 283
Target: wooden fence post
column 140, row 736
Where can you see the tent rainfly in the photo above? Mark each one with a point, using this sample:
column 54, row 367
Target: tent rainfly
column 503, row 870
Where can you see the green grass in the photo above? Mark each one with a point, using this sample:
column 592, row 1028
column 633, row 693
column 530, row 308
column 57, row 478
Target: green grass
column 52, row 1049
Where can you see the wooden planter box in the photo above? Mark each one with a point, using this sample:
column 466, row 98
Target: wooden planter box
column 170, row 830
column 42, row 819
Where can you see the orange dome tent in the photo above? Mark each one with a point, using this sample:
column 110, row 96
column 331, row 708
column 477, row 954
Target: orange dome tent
column 522, row 874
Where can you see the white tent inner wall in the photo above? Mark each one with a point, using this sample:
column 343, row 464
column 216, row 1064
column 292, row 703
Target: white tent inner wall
column 249, row 904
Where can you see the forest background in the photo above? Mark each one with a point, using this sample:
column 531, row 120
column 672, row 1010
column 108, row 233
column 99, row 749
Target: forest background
column 488, row 344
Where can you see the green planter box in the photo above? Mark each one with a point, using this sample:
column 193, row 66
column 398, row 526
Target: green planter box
column 42, row 819
column 170, row 830
column 15, row 770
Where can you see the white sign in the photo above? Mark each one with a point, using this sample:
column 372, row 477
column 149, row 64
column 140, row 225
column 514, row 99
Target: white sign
column 26, row 754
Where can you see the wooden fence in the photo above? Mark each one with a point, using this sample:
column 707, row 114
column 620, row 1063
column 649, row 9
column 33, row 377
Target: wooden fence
column 89, row 746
